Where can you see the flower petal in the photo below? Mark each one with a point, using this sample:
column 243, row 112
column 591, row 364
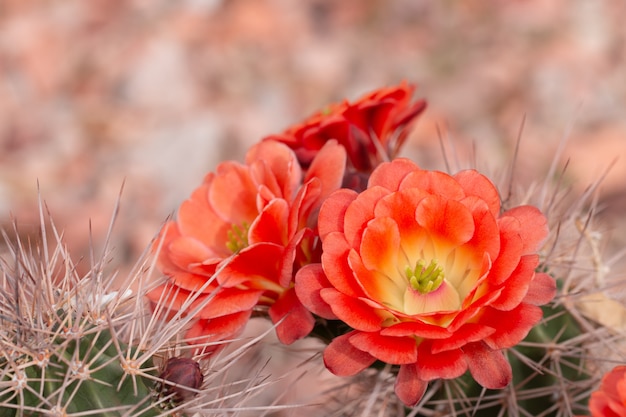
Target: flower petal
column 332, row 212
column 352, row 311
column 511, row 326
column 409, row 387
column 516, row 287
column 447, row 364
column 310, row 280
column 232, row 193
column 343, row 359
column 446, row 220
column 393, row 350
column 390, row 174
column 488, row 367
column 468, row 333
column 270, row 225
column 255, row 265
column 416, row 329
column 542, row 290
column 533, row 226
column 328, row 166
column 293, row 320
column 335, row 261
column 219, row 328
column 476, row 184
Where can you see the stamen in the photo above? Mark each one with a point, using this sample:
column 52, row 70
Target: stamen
column 238, row 237
column 425, row 279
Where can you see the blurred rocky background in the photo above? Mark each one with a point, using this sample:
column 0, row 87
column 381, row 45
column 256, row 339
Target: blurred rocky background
column 154, row 94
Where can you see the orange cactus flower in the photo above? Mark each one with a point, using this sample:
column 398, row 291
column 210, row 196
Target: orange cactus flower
column 429, row 274
column 372, row 129
column 241, row 236
column 610, row 399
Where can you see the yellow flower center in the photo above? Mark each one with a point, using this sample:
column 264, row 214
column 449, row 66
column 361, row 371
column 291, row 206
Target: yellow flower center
column 425, row 279
column 238, row 237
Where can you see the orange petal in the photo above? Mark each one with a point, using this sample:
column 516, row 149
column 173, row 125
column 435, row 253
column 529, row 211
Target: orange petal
column 511, row 326
column 434, row 182
column 516, row 287
column 380, row 246
column 336, row 266
column 310, row 280
column 283, row 173
column 343, row 359
column 409, row 387
column 332, row 212
column 232, row 193
column 218, row 329
column 271, row 224
column 293, row 321
column 488, row 367
column 392, row 350
column 329, row 166
column 389, row 175
column 416, row 329
column 468, row 333
column 448, row 364
column 196, row 218
column 511, row 247
column 533, row 227
column 542, row 290
column 446, row 220
column 476, row 184
column 354, row 312
column 257, row 266
column 359, row 212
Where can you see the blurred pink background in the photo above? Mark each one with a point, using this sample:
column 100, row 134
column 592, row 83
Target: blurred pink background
column 156, row 93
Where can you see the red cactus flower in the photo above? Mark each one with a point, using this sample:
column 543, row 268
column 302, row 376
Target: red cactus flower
column 610, row 399
column 430, row 276
column 372, row 129
column 241, row 236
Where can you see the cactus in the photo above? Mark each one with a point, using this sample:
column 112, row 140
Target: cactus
column 75, row 345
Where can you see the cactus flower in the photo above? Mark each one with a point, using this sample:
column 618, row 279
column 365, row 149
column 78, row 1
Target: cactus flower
column 430, row 275
column 610, row 399
column 254, row 223
column 373, row 124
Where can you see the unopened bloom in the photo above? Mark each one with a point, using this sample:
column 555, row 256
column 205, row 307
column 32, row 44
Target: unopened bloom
column 429, row 274
column 610, row 399
column 372, row 128
column 239, row 238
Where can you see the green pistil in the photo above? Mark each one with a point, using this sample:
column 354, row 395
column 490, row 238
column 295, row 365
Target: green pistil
column 424, row 278
column 238, row 237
